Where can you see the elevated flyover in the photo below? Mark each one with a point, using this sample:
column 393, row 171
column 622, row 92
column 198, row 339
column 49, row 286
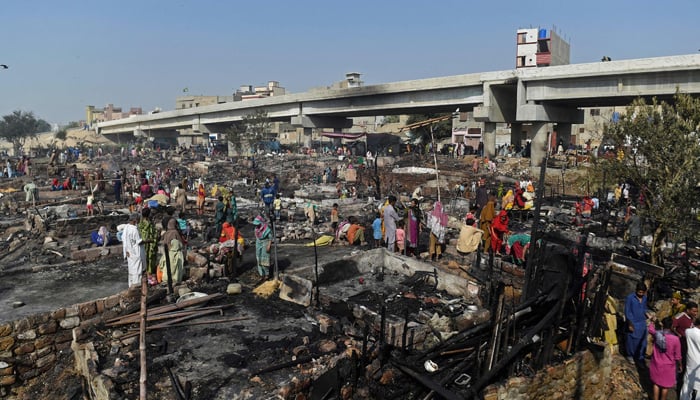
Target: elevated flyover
column 526, row 95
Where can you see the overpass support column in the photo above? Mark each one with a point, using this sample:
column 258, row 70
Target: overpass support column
column 307, row 137
column 539, row 148
column 489, row 138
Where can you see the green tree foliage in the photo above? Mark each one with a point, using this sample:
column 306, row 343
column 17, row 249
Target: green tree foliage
column 252, row 128
column 62, row 134
column 441, row 129
column 20, row 125
column 658, row 151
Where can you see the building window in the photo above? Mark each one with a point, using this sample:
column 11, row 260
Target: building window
column 522, row 37
column 581, row 130
column 595, row 112
column 520, row 61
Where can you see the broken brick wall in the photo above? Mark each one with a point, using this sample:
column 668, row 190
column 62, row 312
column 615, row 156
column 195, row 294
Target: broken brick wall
column 29, row 346
column 583, row 376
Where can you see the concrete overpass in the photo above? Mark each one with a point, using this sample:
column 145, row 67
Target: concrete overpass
column 527, row 95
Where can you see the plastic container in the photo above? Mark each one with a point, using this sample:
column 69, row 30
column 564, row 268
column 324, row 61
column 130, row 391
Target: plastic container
column 542, row 34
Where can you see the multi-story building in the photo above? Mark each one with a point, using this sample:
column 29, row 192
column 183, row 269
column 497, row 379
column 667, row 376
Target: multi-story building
column 108, row 113
column 540, row 47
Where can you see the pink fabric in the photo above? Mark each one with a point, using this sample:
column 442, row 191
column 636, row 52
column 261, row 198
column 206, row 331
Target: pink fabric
column 400, row 235
column 662, row 367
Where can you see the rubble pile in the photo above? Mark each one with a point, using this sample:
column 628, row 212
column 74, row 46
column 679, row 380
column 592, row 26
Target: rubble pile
column 342, row 321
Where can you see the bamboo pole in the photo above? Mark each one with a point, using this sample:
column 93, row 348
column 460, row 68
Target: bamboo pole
column 169, row 307
column 142, row 338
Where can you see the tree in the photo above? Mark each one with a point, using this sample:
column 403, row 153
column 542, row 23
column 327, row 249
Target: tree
column 18, row 126
column 658, row 151
column 62, row 134
column 252, row 128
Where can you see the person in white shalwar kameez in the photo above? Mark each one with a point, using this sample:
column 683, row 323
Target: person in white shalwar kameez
column 134, row 250
column 691, row 380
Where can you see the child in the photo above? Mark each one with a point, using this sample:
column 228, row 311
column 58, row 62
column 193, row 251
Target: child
column 400, row 236
column 277, row 204
column 377, row 230
column 334, row 217
column 90, row 200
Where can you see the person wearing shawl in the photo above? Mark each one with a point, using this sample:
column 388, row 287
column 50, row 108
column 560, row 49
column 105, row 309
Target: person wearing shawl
column 228, row 233
column 486, row 218
column 231, row 209
column 176, row 262
column 201, row 195
column 220, row 215
column 413, row 218
column 149, row 234
column 437, row 222
column 263, row 243
column 498, row 229
column 507, row 200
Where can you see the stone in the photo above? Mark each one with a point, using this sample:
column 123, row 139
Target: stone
column 87, row 309
column 27, row 335
column 112, row 301
column 7, row 380
column 234, row 288
column 183, row 291
column 47, row 328
column 59, row 314
column 72, row 311
column 5, row 329
column 327, row 346
column 70, row 322
column 6, row 343
column 9, row 370
column 46, row 360
column 24, row 348
column 296, row 289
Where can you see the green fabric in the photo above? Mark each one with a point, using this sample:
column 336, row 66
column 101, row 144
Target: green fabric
column 149, row 233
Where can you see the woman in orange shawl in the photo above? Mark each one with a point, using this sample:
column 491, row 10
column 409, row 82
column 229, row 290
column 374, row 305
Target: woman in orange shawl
column 201, row 194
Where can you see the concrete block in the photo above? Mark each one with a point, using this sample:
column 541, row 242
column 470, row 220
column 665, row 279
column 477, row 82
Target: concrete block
column 297, row 290
column 5, row 329
column 47, row 328
column 27, row 335
column 234, row 288
column 70, row 322
column 6, row 343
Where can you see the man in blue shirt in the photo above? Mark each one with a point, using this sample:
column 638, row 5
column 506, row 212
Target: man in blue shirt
column 635, row 314
column 268, row 197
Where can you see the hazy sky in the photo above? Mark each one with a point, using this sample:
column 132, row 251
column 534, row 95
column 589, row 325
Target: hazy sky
column 66, row 54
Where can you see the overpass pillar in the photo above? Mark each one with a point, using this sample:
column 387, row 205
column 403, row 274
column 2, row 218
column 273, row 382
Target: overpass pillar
column 540, row 144
column 307, row 137
column 489, row 138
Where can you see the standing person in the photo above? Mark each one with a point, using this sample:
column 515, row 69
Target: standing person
column 335, row 217
column 400, row 237
column 149, row 235
column 634, row 227
column 267, row 195
column 377, row 230
column 90, row 200
column 181, row 198
column 220, row 215
column 677, row 305
column 232, row 209
column 117, row 188
column 487, row 215
column 413, row 218
column 482, row 197
column 176, row 251
column 665, row 360
column 390, row 219
column 437, row 222
column 201, row 196
column 263, row 243
column 30, row 193
column 684, row 319
column 277, row 205
column 635, row 314
column 133, row 250
column 691, row 379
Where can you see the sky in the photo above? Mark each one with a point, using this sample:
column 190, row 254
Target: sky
column 65, row 55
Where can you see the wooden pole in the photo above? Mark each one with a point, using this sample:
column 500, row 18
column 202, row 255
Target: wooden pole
column 168, row 271
column 142, row 338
